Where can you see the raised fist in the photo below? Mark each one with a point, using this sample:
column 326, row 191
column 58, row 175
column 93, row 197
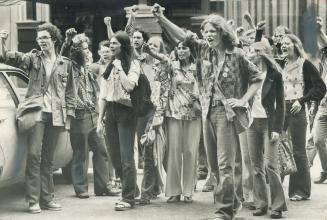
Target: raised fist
column 70, row 34
column 107, row 21
column 4, row 34
column 261, row 25
column 146, row 48
column 239, row 31
column 157, row 10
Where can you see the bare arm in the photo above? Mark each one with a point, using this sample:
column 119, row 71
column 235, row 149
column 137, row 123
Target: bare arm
column 107, row 22
column 249, row 20
column 154, row 54
column 172, row 29
column 322, row 38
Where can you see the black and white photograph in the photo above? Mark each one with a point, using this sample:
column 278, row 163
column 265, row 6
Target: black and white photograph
column 163, row 109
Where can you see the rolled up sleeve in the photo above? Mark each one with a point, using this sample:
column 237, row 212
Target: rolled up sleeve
column 134, row 72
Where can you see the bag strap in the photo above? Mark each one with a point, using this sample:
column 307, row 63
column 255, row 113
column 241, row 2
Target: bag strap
column 45, row 88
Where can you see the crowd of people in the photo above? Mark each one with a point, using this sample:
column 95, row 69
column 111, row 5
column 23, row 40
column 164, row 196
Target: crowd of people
column 170, row 101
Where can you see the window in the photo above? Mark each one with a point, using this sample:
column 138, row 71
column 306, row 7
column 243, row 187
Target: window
column 20, row 82
column 6, row 94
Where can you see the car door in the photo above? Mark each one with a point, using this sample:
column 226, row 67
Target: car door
column 12, row 147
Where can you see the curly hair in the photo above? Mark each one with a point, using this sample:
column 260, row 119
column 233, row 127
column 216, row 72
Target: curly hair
column 53, row 31
column 76, row 50
column 228, row 35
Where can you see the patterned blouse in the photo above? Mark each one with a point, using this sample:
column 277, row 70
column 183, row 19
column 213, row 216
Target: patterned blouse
column 293, row 80
column 184, row 92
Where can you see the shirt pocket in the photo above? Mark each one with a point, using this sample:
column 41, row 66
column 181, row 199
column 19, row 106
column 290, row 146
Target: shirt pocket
column 63, row 78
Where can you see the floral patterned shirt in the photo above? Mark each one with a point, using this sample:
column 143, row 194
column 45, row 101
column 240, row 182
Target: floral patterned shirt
column 183, row 93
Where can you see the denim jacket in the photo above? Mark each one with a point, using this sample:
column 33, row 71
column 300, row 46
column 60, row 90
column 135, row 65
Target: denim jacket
column 63, row 99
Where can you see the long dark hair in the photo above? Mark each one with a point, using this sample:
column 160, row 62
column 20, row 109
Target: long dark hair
column 125, row 55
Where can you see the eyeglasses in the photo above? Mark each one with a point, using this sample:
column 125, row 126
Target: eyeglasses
column 43, row 38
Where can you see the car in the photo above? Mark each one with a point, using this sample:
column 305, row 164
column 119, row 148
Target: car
column 13, row 146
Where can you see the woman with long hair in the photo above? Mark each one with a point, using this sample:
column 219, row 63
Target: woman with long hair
column 183, row 123
column 302, row 84
column 227, row 80
column 159, row 83
column 119, row 79
column 268, row 111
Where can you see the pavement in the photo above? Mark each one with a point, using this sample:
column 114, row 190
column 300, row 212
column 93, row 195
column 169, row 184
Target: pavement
column 13, row 206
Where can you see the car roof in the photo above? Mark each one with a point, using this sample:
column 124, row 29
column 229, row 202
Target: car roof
column 5, row 67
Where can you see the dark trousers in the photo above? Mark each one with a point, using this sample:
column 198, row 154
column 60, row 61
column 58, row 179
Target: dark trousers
column 83, row 137
column 300, row 182
column 42, row 141
column 120, row 130
column 263, row 154
column 150, row 183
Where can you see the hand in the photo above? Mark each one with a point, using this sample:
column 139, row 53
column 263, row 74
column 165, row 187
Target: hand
column 146, row 48
column 68, row 122
column 261, row 25
column 133, row 10
column 231, row 23
column 107, row 21
column 4, row 35
column 274, row 137
column 248, row 17
column 70, row 34
column 319, row 22
column 197, row 108
column 236, row 102
column 157, row 121
column 157, row 11
column 100, row 127
column 312, row 110
column 239, row 31
column 117, row 64
column 296, row 107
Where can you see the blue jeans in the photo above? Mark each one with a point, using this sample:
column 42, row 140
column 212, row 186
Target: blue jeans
column 120, row 130
column 222, row 145
column 300, row 182
column 261, row 149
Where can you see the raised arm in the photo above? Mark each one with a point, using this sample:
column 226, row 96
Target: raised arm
column 322, row 38
column 130, row 26
column 70, row 34
column 259, row 30
column 107, row 22
column 154, row 54
column 3, row 49
column 249, row 20
column 172, row 29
